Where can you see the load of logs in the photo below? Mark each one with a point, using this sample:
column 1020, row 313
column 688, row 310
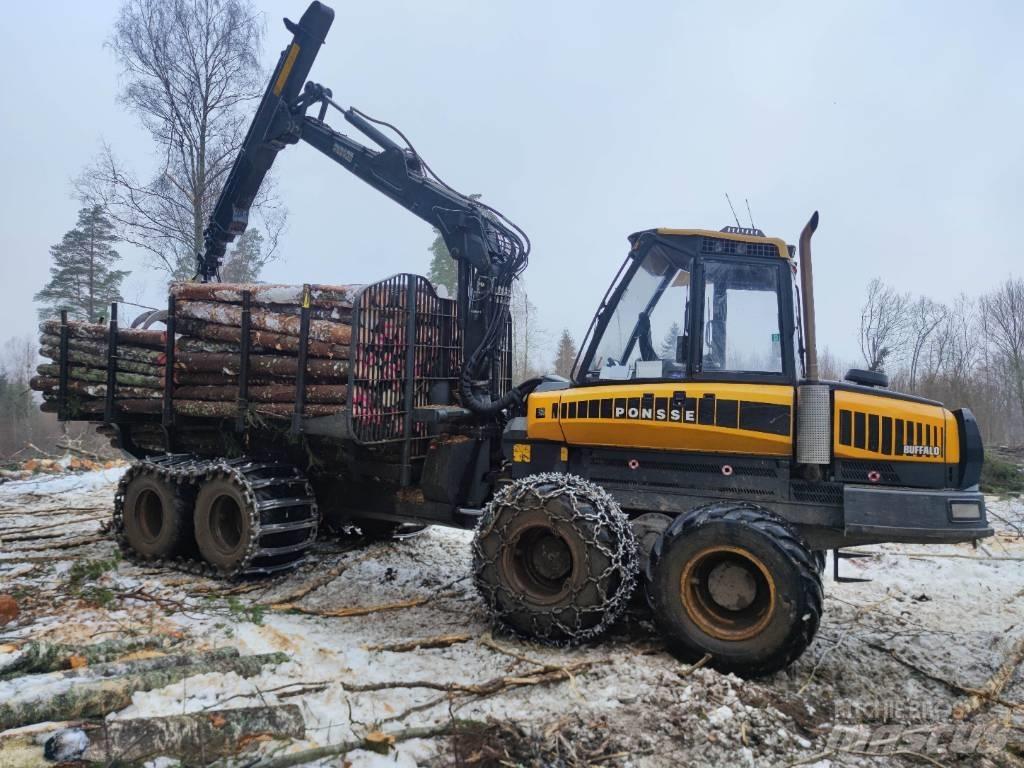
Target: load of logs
column 207, row 355
column 212, row 373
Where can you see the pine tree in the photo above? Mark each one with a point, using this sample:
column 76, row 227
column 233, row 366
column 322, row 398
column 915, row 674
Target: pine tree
column 82, row 279
column 668, row 345
column 245, row 261
column 443, row 269
column 565, row 356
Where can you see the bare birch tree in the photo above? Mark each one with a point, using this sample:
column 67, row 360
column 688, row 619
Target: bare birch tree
column 191, row 74
column 924, row 317
column 1003, row 322
column 883, row 325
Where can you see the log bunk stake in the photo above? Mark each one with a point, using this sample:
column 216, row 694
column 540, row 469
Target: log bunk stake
column 300, row 375
column 243, row 363
column 108, row 408
column 62, row 386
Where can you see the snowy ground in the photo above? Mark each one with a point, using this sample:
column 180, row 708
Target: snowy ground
column 887, row 682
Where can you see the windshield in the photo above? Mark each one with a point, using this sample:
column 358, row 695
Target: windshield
column 645, row 336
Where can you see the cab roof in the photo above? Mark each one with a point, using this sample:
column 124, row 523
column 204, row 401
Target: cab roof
column 728, row 235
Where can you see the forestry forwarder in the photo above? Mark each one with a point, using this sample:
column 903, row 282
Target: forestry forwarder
column 695, row 447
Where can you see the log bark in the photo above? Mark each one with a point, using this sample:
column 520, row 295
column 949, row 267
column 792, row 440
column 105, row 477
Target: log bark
column 99, row 348
column 259, row 365
column 51, row 657
column 81, row 407
column 95, row 698
column 195, row 739
column 260, row 341
column 266, row 393
column 77, row 357
column 49, row 386
column 220, row 409
column 132, row 336
column 99, row 376
column 264, row 320
column 266, row 293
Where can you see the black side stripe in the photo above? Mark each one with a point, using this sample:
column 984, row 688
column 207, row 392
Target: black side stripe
column 859, row 430
column 887, row 435
column 873, row 432
column 845, row 427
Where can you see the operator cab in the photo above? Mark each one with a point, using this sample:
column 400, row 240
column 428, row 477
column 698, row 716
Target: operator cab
column 696, row 305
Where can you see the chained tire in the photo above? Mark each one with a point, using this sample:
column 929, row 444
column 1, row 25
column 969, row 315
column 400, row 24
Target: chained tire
column 157, row 517
column 735, row 581
column 244, row 517
column 554, row 558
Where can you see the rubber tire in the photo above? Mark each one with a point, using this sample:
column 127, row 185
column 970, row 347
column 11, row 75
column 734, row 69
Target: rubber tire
column 175, row 534
column 589, row 609
column 798, row 607
column 820, row 559
column 224, row 559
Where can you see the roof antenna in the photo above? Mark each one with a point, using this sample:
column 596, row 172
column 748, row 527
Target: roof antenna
column 737, row 218
column 745, row 200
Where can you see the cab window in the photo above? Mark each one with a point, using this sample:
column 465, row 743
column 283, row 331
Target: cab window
column 646, row 335
column 741, row 318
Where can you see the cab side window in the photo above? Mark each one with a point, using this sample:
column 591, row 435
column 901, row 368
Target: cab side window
column 741, row 318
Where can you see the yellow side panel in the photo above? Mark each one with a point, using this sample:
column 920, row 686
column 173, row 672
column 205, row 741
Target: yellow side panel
column 751, row 419
column 870, row 426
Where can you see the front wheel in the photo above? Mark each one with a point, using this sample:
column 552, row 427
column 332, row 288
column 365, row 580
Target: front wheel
column 735, row 581
column 555, row 558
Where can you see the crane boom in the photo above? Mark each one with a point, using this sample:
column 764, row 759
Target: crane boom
column 490, row 250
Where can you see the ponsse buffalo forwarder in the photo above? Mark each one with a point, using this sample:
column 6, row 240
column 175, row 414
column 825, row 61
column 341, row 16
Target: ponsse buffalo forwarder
column 695, row 450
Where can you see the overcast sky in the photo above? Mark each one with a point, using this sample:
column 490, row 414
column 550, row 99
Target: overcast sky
column 584, row 122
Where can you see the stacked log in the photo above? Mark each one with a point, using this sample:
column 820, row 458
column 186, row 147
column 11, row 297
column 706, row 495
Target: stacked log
column 138, row 362
column 208, row 350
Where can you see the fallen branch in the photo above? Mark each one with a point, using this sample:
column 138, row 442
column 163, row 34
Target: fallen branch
column 995, row 685
column 372, row 741
column 441, row 641
column 348, row 612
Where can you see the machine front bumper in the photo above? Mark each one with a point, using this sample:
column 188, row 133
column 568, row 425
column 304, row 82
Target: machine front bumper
column 914, row 515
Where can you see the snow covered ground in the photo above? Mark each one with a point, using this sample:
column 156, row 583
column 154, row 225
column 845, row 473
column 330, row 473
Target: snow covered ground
column 888, row 681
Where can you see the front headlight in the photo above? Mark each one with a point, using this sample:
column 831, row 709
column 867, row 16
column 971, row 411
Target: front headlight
column 965, row 510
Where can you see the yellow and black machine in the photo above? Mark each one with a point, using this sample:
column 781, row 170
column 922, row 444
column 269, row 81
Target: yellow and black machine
column 695, row 455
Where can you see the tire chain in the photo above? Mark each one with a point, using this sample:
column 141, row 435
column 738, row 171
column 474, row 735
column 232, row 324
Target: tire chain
column 188, row 471
column 618, row 545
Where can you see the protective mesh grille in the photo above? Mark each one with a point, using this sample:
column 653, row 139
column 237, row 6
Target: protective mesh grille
column 406, row 344
column 814, row 424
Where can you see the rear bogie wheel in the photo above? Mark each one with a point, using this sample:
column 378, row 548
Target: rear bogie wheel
column 157, row 518
column 224, row 524
column 735, row 581
column 554, row 558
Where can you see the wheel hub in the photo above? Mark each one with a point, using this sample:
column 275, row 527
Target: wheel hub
column 149, row 512
column 226, row 523
column 728, row 593
column 551, row 558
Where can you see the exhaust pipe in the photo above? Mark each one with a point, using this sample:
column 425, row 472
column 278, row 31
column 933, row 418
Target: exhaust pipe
column 807, row 289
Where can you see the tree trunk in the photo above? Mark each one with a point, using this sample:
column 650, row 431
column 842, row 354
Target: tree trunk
column 328, row 296
column 266, row 393
column 129, row 336
column 96, row 698
column 99, row 376
column 267, row 365
column 212, row 409
column 195, row 739
column 51, row 387
column 264, row 320
column 95, row 347
column 260, row 341
column 78, row 357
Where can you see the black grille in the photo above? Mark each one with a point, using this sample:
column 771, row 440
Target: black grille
column 858, row 473
column 818, row 493
column 715, row 245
